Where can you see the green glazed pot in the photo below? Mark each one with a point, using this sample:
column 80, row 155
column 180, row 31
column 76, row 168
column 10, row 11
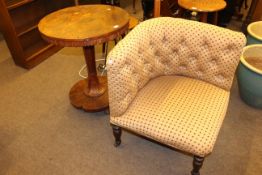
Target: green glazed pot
column 250, row 78
column 254, row 35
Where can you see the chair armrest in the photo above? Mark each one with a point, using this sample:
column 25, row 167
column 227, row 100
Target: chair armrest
column 125, row 74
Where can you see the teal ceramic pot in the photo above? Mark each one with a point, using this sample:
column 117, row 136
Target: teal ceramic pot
column 250, row 77
column 254, row 35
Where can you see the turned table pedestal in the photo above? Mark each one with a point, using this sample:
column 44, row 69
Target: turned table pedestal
column 85, row 26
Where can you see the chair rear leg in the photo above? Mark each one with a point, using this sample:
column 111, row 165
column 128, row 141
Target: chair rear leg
column 197, row 164
column 117, row 131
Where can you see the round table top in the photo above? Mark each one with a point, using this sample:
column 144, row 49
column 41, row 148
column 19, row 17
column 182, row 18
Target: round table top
column 133, row 21
column 84, row 25
column 203, row 5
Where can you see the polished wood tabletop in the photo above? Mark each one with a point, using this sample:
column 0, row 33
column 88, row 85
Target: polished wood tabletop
column 202, row 5
column 84, row 25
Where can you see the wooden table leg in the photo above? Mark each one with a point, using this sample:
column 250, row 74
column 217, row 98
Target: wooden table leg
column 90, row 94
column 157, row 4
column 215, row 18
column 203, row 17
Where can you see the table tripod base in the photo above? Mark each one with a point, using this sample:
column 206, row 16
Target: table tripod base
column 90, row 104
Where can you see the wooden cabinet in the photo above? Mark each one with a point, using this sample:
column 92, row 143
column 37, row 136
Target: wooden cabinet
column 257, row 15
column 18, row 23
column 254, row 14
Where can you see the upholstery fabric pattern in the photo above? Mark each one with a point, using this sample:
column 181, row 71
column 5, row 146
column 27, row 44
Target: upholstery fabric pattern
column 182, row 112
column 171, row 46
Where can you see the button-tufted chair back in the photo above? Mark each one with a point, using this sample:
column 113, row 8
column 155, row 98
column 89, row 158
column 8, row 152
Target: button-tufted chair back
column 169, row 80
column 170, row 46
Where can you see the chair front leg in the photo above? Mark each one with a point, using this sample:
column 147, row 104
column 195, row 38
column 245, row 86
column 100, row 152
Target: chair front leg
column 197, row 164
column 117, row 131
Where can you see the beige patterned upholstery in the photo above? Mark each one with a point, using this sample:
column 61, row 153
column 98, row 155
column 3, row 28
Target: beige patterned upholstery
column 169, row 80
column 174, row 116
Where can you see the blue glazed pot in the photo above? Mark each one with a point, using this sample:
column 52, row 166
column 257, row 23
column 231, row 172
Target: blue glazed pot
column 254, row 35
column 250, row 78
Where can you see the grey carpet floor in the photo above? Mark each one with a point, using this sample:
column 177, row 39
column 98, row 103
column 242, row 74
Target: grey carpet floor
column 42, row 134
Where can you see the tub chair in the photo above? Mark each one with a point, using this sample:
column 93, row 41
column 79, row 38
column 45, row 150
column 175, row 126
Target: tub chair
column 169, row 80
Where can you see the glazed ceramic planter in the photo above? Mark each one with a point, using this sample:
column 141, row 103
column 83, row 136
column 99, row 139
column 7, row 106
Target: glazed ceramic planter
column 250, row 75
column 254, row 33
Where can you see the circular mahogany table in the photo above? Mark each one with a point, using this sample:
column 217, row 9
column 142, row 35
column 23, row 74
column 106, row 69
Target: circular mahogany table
column 85, row 26
column 204, row 7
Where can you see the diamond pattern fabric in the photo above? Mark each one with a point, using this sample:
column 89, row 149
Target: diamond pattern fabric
column 181, row 112
column 171, row 46
column 169, row 80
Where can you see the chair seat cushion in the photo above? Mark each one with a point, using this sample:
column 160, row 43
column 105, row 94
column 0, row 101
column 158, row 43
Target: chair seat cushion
column 181, row 112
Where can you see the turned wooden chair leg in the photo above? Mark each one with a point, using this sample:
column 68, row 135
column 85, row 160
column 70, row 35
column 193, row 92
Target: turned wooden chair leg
column 197, row 164
column 117, row 131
